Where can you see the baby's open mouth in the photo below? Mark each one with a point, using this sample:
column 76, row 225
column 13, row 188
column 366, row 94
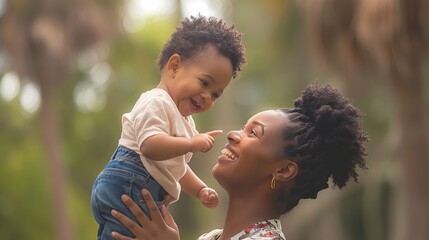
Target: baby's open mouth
column 195, row 105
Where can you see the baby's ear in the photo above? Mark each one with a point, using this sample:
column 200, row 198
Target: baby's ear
column 174, row 63
column 287, row 172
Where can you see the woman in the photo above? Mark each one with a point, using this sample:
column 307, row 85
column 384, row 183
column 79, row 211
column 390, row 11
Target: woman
column 279, row 157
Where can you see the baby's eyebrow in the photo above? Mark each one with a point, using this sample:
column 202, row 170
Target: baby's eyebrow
column 210, row 77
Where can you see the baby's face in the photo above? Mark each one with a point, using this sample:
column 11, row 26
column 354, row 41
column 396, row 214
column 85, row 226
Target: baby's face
column 200, row 81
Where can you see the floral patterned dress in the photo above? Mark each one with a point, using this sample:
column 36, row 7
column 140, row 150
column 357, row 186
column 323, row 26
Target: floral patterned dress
column 265, row 230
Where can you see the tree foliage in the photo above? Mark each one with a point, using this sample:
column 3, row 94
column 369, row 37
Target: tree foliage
column 90, row 70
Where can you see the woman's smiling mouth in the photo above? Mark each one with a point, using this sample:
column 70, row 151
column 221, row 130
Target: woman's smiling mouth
column 230, row 155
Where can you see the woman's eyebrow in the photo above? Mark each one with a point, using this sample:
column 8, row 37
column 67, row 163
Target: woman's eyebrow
column 261, row 125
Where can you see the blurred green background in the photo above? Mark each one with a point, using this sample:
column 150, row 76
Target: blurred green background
column 70, row 68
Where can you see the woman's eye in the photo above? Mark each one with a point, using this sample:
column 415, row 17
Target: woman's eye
column 253, row 132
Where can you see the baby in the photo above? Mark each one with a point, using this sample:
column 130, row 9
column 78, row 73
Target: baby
column 158, row 135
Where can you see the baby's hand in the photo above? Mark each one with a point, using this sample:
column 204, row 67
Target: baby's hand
column 208, row 197
column 203, row 142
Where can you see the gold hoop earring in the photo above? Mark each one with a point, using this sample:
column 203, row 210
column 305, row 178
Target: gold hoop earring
column 273, row 183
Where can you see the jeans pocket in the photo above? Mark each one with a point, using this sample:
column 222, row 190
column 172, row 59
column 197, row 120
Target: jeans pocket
column 157, row 192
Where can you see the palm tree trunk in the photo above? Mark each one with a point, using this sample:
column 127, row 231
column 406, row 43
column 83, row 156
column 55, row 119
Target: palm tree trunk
column 414, row 155
column 51, row 144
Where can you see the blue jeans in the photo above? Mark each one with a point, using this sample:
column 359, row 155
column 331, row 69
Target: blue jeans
column 124, row 174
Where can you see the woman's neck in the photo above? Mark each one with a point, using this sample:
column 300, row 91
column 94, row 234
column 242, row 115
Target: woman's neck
column 247, row 210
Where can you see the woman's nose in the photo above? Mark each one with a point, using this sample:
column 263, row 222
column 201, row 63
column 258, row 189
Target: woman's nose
column 234, row 136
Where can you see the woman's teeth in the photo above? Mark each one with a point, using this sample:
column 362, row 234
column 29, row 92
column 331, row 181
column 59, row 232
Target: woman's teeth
column 229, row 154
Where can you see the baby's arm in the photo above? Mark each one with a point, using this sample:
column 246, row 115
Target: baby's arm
column 194, row 186
column 162, row 147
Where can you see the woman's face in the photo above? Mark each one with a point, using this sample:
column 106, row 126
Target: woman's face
column 252, row 154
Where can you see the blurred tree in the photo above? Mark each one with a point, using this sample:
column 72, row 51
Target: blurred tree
column 49, row 40
column 42, row 39
column 384, row 40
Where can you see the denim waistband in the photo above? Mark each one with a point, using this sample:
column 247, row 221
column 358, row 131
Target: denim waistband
column 126, row 154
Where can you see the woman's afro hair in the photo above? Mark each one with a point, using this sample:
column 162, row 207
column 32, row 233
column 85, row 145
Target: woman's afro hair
column 325, row 139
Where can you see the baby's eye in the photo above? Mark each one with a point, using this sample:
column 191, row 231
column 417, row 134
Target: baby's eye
column 204, row 83
column 215, row 96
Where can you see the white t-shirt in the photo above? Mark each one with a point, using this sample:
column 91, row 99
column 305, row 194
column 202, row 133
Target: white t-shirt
column 156, row 113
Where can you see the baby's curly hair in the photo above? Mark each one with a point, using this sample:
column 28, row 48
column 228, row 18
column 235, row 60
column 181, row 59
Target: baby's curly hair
column 195, row 33
column 325, row 139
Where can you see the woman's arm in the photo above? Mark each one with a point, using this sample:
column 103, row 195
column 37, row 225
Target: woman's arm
column 162, row 225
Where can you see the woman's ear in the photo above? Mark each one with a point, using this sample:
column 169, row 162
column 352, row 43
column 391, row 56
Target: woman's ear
column 173, row 64
column 287, row 172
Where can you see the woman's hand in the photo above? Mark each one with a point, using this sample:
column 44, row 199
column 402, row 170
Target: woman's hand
column 162, row 225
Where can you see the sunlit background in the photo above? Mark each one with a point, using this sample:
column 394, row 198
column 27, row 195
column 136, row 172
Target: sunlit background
column 69, row 69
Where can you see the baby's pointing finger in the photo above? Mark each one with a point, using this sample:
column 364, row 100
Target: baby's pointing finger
column 214, row 132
